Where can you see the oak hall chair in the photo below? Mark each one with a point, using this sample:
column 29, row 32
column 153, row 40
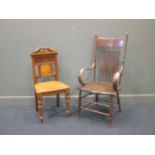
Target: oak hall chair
column 107, row 69
column 45, row 66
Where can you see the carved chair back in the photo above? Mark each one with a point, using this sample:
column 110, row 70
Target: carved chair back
column 44, row 64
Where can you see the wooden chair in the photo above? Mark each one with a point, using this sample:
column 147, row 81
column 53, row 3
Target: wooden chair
column 107, row 68
column 45, row 65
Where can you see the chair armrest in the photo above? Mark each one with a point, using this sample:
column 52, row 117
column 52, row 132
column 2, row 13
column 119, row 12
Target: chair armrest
column 82, row 72
column 117, row 79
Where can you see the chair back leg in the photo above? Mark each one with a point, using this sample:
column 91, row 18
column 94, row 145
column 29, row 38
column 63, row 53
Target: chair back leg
column 118, row 101
column 36, row 101
column 79, row 104
column 58, row 100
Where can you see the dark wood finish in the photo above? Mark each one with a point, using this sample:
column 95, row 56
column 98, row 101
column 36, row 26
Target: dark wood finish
column 97, row 103
column 110, row 111
column 95, row 111
column 79, row 105
column 58, row 100
column 108, row 63
column 118, row 101
column 36, row 100
column 96, row 97
column 45, row 64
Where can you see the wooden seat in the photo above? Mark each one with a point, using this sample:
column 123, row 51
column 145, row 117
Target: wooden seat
column 99, row 88
column 50, row 87
column 45, row 65
column 107, row 69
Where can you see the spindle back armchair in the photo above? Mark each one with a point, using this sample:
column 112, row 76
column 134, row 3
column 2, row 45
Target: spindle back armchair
column 108, row 64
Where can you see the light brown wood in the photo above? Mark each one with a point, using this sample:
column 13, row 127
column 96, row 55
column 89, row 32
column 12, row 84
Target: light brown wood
column 40, row 108
column 45, row 64
column 67, row 103
column 108, row 63
column 50, row 87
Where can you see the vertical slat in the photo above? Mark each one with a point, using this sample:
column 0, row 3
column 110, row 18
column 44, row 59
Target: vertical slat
column 94, row 56
column 118, row 57
column 114, row 63
column 104, row 62
column 110, row 62
column 107, row 62
column 101, row 64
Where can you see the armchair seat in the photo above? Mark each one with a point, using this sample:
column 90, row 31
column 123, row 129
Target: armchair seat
column 104, row 88
column 50, row 86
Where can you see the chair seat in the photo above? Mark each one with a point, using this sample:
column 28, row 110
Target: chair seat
column 99, row 88
column 50, row 86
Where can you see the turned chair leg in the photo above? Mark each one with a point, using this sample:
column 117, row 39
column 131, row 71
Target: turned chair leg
column 36, row 102
column 79, row 104
column 58, row 100
column 67, row 103
column 40, row 108
column 110, row 112
column 118, row 101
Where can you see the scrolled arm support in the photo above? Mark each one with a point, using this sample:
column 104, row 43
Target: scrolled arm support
column 82, row 72
column 117, row 79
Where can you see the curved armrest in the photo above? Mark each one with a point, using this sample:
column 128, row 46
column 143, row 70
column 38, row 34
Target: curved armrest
column 82, row 72
column 117, row 79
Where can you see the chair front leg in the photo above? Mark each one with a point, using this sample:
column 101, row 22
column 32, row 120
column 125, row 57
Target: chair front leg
column 40, row 108
column 67, row 103
column 110, row 111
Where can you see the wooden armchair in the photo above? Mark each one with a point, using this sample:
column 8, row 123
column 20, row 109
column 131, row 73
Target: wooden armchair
column 107, row 68
column 45, row 65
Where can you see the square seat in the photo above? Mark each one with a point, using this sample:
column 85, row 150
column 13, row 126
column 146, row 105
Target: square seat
column 50, row 86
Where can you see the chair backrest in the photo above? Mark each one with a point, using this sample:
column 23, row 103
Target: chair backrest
column 44, row 64
column 109, row 55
